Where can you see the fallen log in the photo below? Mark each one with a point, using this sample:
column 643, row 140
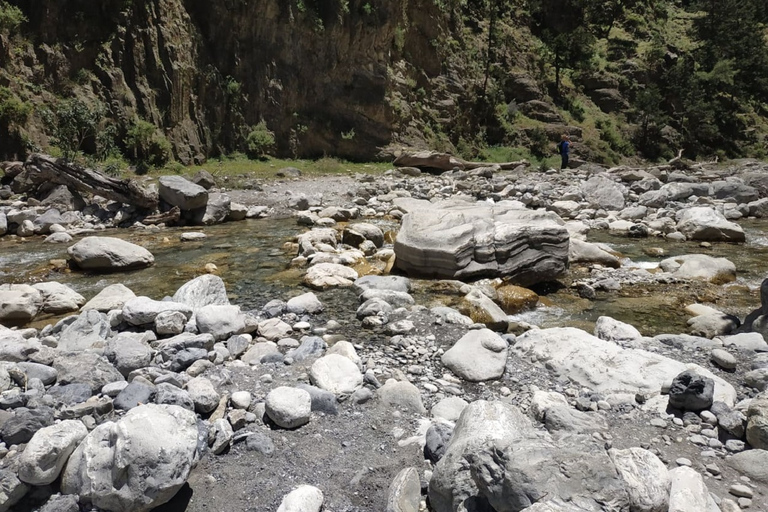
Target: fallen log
column 40, row 169
column 446, row 162
column 172, row 216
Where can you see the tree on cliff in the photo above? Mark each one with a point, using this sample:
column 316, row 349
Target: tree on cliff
column 563, row 27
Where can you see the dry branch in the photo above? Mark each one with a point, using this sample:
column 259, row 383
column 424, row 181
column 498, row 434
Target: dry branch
column 446, row 162
column 42, row 168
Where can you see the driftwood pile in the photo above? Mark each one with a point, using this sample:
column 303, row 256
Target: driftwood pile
column 433, row 161
column 41, row 169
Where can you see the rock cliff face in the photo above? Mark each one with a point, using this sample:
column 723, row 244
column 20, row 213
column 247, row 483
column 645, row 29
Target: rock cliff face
column 318, row 72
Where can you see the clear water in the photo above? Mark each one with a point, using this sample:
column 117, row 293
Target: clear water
column 253, row 259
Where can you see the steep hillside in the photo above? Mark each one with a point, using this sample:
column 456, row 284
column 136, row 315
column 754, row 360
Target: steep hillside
column 358, row 79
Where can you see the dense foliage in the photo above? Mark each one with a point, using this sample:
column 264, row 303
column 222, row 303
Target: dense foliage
column 496, row 79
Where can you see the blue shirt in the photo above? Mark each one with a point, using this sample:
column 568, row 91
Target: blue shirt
column 565, row 147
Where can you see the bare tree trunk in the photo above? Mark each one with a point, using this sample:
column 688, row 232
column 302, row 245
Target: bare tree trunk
column 42, row 168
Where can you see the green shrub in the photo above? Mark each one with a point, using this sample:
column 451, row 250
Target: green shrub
column 148, row 146
column 72, row 123
column 614, row 137
column 12, row 109
column 260, row 141
column 11, row 17
column 539, row 142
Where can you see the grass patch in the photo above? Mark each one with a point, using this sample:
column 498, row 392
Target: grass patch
column 238, row 170
column 500, row 154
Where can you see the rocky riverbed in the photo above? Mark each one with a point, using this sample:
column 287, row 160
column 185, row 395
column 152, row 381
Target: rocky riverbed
column 408, row 360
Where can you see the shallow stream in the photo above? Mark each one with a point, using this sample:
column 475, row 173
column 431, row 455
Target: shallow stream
column 253, row 259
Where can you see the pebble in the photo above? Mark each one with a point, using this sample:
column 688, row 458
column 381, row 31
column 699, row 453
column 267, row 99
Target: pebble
column 713, row 469
column 682, row 461
column 708, row 417
column 741, row 490
column 658, row 422
column 723, row 359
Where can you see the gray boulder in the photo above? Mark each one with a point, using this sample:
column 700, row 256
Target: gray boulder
column 311, row 346
column 46, row 374
column 133, row 395
column 357, row 233
column 288, row 407
column 478, row 356
column 304, row 498
column 11, row 489
column 112, row 297
column 14, row 347
column 203, row 394
column 202, row 291
column 461, row 240
column 337, row 374
column 705, row 223
column 107, row 254
column 404, row 492
column 604, row 366
column 563, row 418
column 515, row 474
column 481, row 423
column 305, row 303
column 85, row 367
column 259, row 350
column 602, row 192
column 394, row 283
column 21, row 427
column 168, row 394
column 216, row 210
column 736, row 191
column 402, row 396
column 58, row 298
column 646, row 479
column 220, row 321
column 436, row 441
column 751, row 463
column 700, row 266
column 688, row 492
column 128, row 353
column 110, row 468
column 143, row 310
column 180, row 192
column 89, row 331
column 329, row 275
column 691, row 392
column 19, row 303
column 610, row 329
column 757, row 422
column 46, row 453
column 583, row 252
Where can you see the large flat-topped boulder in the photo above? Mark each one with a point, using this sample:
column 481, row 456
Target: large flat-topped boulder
column 107, row 254
column 181, row 192
column 465, row 240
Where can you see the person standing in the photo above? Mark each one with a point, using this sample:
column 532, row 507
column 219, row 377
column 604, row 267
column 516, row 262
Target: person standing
column 564, row 148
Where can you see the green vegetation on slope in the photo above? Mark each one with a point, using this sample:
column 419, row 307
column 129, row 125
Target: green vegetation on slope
column 481, row 78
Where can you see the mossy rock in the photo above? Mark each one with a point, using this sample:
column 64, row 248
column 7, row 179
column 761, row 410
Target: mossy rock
column 514, row 299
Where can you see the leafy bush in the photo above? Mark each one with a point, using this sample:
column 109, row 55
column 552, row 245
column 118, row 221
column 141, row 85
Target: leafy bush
column 614, row 137
column 149, row 147
column 73, row 123
column 260, row 141
column 12, row 109
column 538, row 142
column 11, row 17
